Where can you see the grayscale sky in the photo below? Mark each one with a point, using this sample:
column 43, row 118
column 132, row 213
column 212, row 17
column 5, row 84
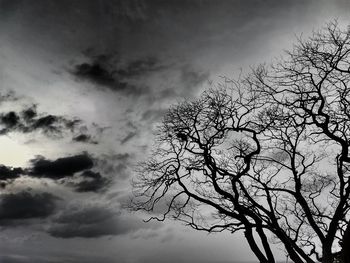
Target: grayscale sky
column 83, row 85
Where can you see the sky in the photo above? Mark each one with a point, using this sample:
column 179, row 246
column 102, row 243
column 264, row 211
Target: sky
column 84, row 85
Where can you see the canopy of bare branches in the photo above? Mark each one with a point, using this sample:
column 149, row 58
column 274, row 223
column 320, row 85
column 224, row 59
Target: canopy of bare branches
column 266, row 154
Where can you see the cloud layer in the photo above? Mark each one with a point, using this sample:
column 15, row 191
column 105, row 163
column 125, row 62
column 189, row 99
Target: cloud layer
column 16, row 207
column 93, row 221
column 61, row 167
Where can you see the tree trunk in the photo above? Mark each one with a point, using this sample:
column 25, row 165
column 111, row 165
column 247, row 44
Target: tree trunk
column 345, row 252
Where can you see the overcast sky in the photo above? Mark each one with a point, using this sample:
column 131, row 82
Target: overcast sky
column 83, row 85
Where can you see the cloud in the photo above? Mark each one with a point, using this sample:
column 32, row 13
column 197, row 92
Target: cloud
column 99, row 69
column 89, row 135
column 192, row 78
column 29, row 120
column 92, row 182
column 25, row 205
column 139, row 67
column 29, row 113
column 115, row 164
column 109, row 72
column 84, row 138
column 132, row 10
column 9, row 120
column 98, row 74
column 93, row 221
column 7, row 172
column 72, row 171
column 8, row 96
column 128, row 137
column 153, row 115
column 61, row 167
column 52, row 124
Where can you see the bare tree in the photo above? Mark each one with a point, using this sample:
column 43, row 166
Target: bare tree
column 267, row 154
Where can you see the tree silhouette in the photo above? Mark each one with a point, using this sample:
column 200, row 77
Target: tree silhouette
column 267, row 154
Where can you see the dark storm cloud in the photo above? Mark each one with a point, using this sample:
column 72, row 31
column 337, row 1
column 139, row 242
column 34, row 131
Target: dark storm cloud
column 93, row 221
column 7, row 172
column 71, row 171
column 85, row 138
column 91, row 182
column 28, row 121
column 25, row 205
column 29, row 113
column 128, row 77
column 108, row 71
column 61, row 167
column 89, row 135
column 99, row 74
column 52, row 124
column 9, row 120
column 99, row 69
